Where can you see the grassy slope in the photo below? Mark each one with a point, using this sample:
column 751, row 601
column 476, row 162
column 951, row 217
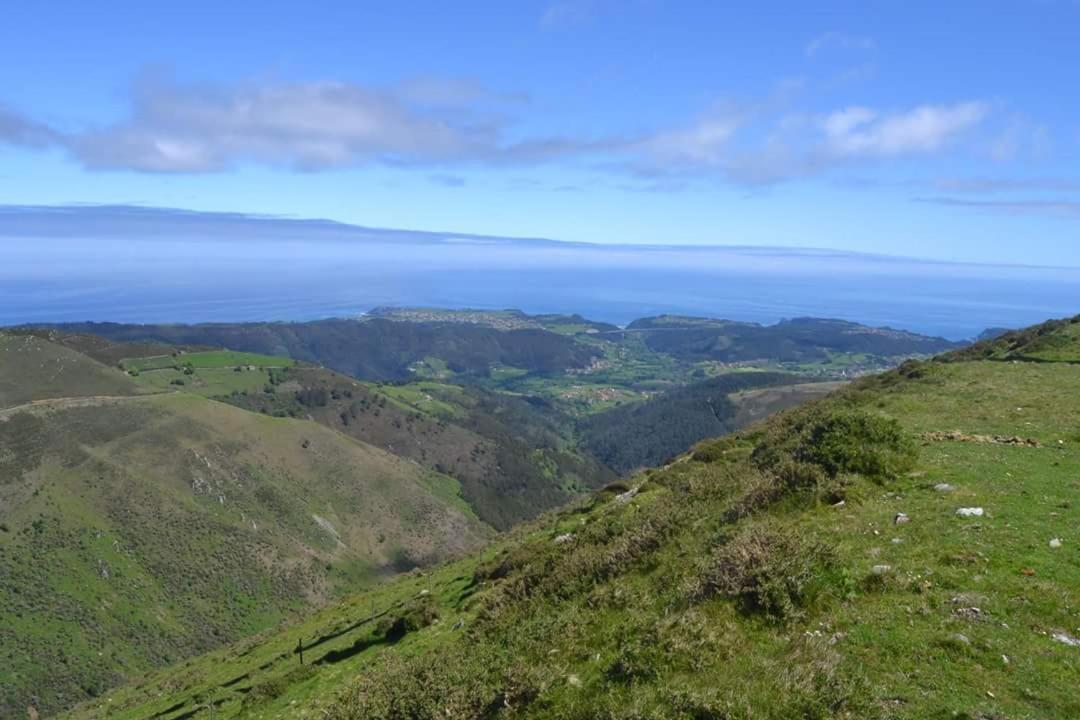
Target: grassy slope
column 614, row 623
column 139, row 530
column 510, row 457
column 32, row 368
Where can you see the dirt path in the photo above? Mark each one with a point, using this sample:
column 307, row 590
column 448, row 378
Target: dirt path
column 69, row 402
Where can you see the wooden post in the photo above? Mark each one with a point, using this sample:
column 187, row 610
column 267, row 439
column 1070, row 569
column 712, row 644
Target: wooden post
column 300, row 649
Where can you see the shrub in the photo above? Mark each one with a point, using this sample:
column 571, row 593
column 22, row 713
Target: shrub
column 837, row 441
column 768, row 570
column 419, row 615
column 708, row 451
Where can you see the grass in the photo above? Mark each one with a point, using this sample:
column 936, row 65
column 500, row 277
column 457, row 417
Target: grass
column 138, row 533
column 203, row 360
column 208, row 382
column 724, row 590
column 32, row 368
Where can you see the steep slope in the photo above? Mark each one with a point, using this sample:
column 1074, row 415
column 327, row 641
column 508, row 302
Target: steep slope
column 512, row 457
column 138, row 530
column 829, row 563
column 648, row 433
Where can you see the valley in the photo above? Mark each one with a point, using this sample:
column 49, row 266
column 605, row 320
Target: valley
column 190, row 486
column 826, row 562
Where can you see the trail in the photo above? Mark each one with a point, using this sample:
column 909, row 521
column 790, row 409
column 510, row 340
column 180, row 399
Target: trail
column 69, row 402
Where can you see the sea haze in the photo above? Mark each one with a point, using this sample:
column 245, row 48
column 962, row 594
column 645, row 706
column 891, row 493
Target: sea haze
column 135, row 264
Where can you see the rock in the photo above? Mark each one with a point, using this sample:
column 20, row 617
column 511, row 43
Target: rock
column 1005, row 659
column 565, row 538
column 1066, row 638
column 969, row 613
column 839, row 504
column 944, row 487
column 1055, row 543
column 970, row 512
column 880, row 569
column 901, row 518
column 896, row 541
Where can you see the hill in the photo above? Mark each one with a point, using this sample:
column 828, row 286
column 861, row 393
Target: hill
column 36, row 369
column 644, row 434
column 798, row 340
column 371, row 349
column 1052, row 341
column 903, row 548
column 139, row 529
column 514, row 458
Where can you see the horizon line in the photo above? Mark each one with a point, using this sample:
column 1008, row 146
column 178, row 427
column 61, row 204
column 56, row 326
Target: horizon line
column 36, row 211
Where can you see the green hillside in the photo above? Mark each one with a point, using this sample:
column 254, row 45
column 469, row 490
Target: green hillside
column 514, row 459
column 905, row 548
column 32, row 368
column 650, row 432
column 1053, row 341
column 374, row 349
column 797, row 340
column 137, row 530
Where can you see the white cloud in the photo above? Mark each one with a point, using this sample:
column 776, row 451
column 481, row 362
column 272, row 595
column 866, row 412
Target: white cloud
column 447, row 125
column 703, row 143
column 304, row 125
column 861, row 132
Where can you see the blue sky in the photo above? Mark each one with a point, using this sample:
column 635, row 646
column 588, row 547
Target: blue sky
column 938, row 130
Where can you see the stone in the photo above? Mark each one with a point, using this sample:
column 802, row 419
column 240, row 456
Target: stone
column 1055, row 543
column 944, row 487
column 970, row 512
column 880, row 569
column 565, row 538
column 901, row 518
column 1066, row 638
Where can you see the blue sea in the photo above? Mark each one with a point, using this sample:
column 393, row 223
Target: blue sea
column 161, row 272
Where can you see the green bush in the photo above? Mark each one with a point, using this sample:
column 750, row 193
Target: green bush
column 838, row 441
column 418, row 615
column 769, row 570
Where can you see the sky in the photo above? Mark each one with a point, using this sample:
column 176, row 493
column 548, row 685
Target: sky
column 948, row 131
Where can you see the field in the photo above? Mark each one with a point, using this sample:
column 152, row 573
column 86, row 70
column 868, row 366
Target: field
column 216, row 359
column 716, row 589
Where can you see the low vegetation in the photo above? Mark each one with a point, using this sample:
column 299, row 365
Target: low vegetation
column 140, row 529
column 734, row 583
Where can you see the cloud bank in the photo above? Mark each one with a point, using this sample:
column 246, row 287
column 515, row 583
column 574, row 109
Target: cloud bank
column 450, row 124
